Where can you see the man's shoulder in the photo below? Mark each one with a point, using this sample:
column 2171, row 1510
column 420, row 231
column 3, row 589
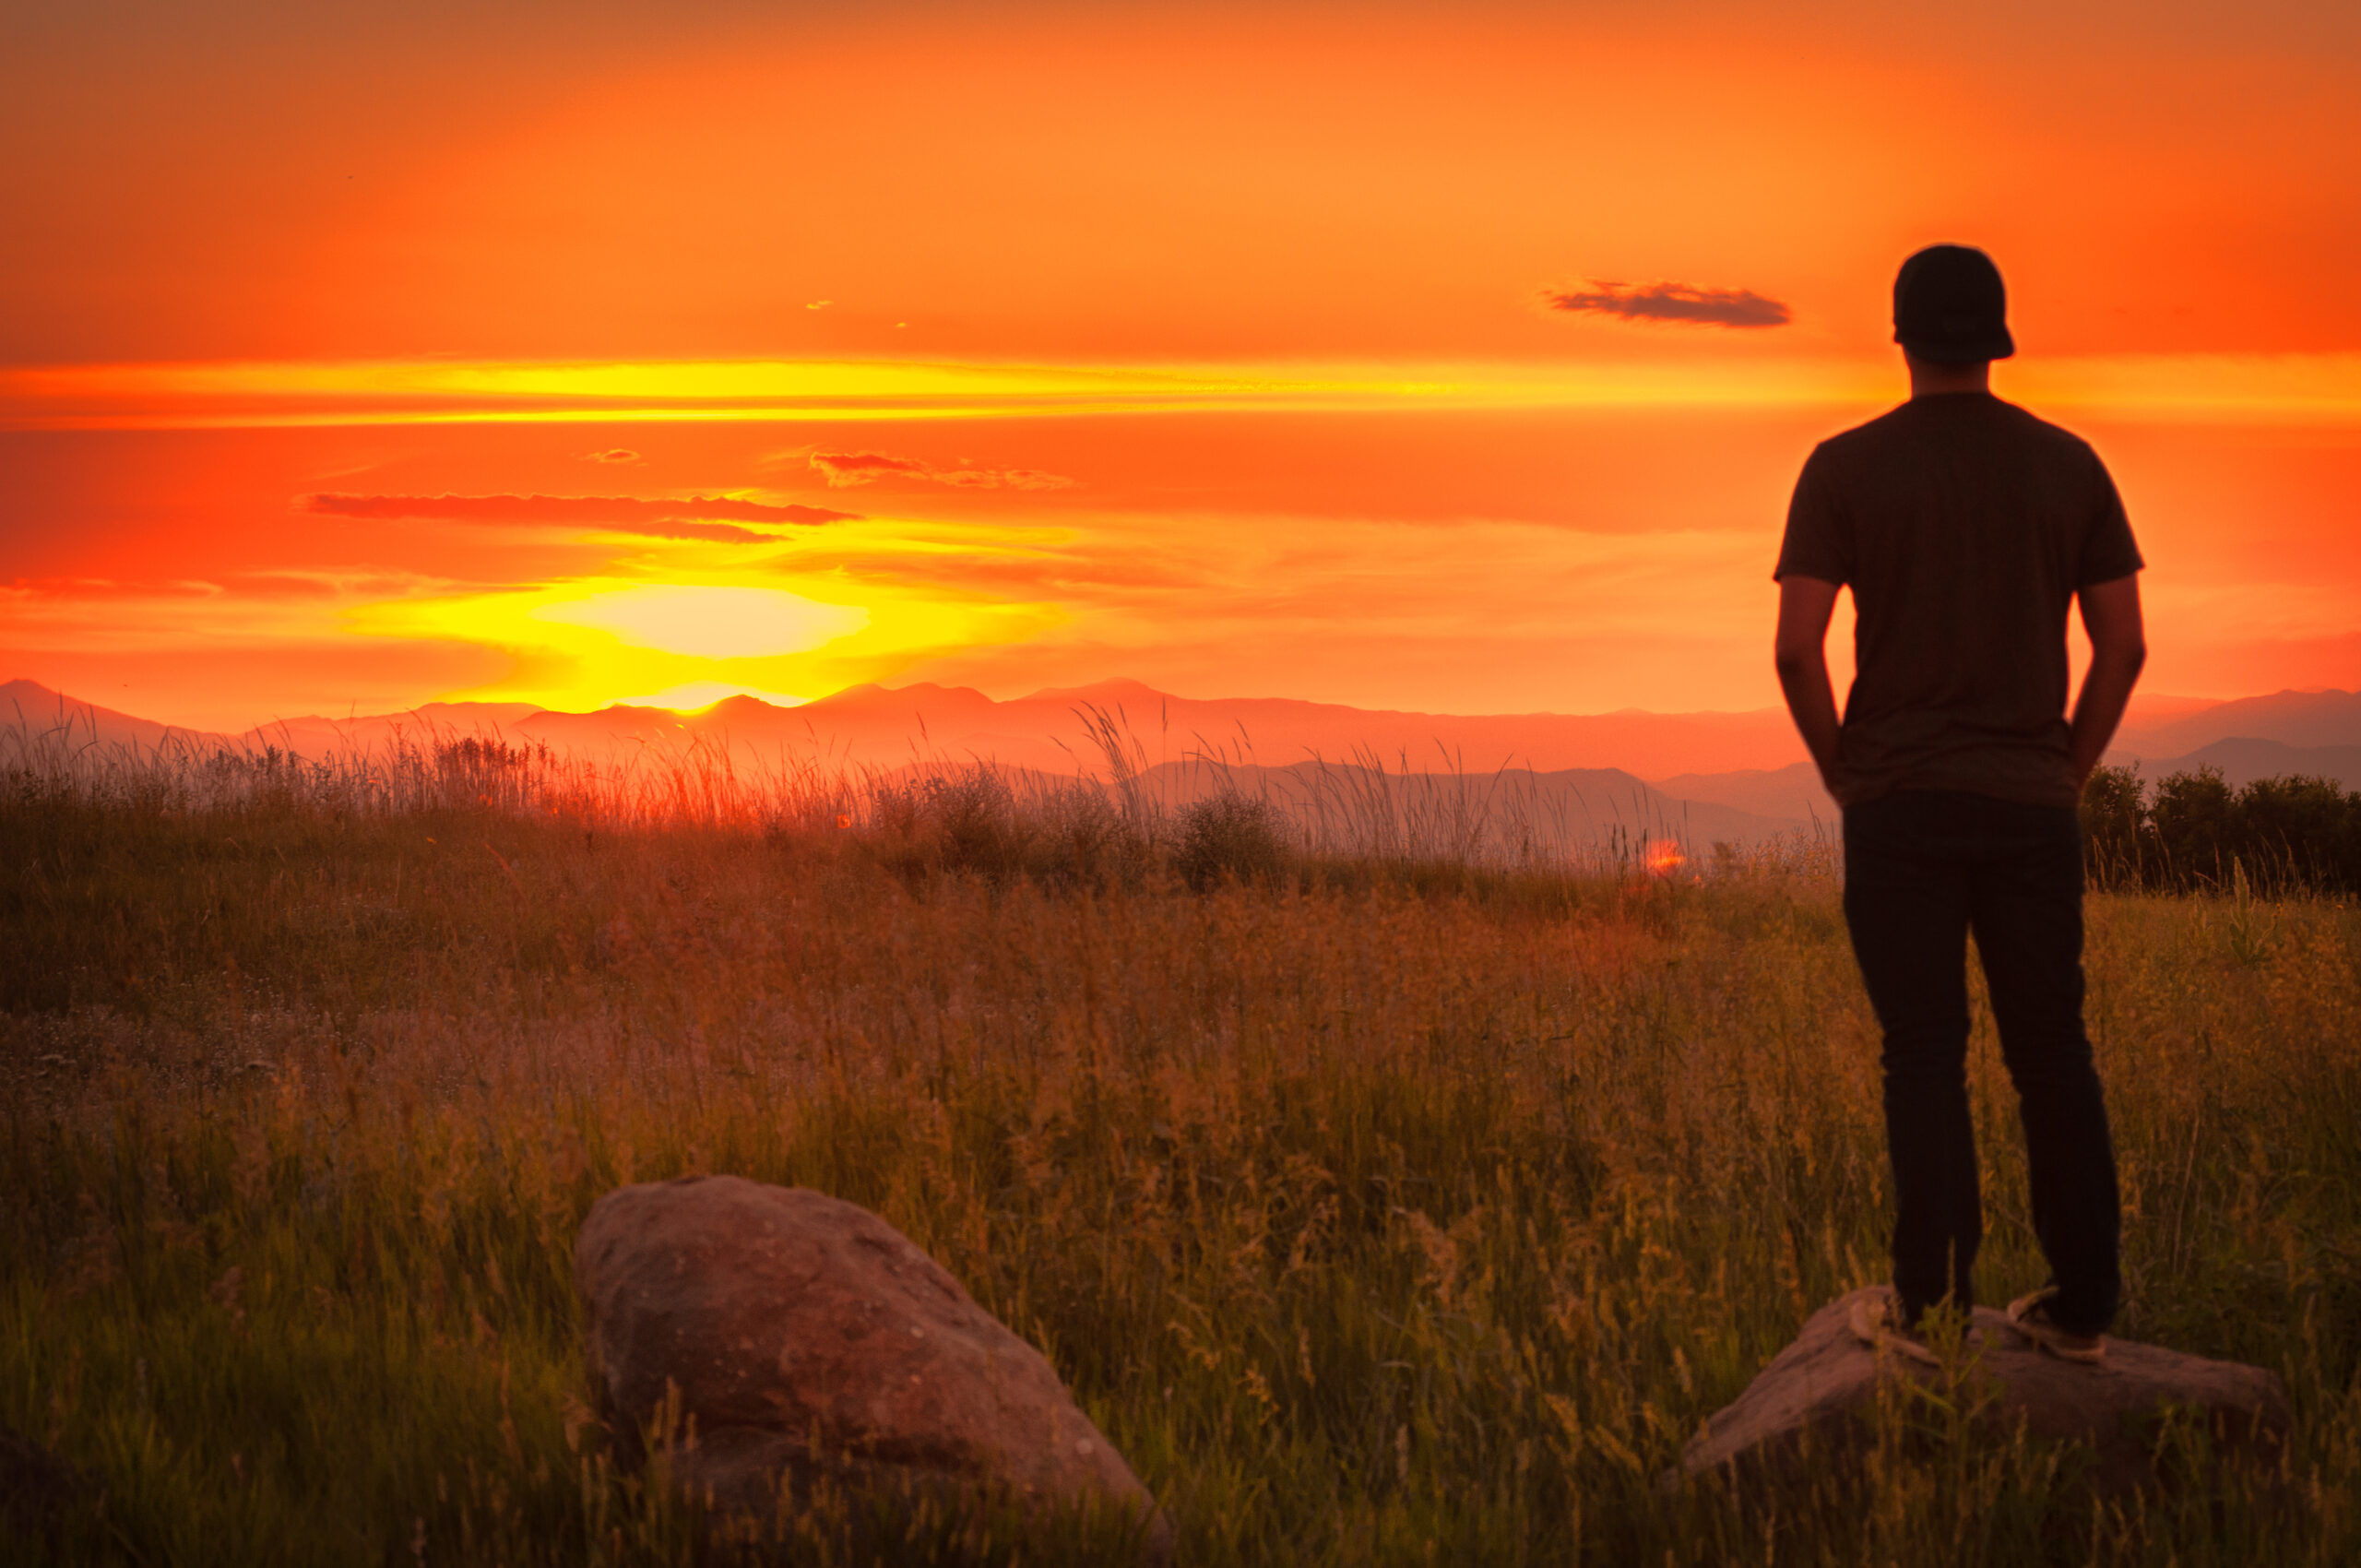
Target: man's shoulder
column 1863, row 437
column 1912, row 424
column 2031, row 427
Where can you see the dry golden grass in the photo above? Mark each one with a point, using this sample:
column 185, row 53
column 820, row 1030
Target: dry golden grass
column 1380, row 1212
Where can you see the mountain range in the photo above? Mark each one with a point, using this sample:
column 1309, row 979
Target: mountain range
column 1738, row 776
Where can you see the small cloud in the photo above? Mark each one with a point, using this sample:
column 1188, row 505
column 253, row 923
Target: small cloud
column 819, row 305
column 711, row 518
column 844, row 470
column 613, row 455
column 715, row 533
column 1670, row 302
column 1014, row 479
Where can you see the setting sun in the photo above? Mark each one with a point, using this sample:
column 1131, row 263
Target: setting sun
column 707, row 622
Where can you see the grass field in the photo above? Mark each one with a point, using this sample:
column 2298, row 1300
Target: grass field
column 1380, row 1210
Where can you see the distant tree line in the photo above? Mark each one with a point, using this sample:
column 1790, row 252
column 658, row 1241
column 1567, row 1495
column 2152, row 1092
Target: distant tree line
column 2192, row 831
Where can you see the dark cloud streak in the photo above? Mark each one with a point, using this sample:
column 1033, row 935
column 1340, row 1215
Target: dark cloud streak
column 697, row 516
column 1671, row 301
column 673, row 528
column 842, row 470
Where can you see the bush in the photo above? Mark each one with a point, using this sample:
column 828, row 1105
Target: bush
column 2193, row 816
column 2193, row 830
column 1232, row 835
column 2312, row 822
column 1084, row 840
column 2113, row 814
column 965, row 821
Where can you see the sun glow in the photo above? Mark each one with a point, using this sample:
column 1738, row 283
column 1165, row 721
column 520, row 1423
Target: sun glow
column 1663, row 857
column 586, row 643
column 710, row 622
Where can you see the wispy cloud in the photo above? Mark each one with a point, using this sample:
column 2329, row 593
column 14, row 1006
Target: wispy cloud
column 713, row 517
column 613, row 455
column 282, row 609
column 1670, row 302
column 843, row 470
column 2310, row 388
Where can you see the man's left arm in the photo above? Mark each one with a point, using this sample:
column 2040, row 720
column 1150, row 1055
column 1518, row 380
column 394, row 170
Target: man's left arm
column 2118, row 647
column 1799, row 651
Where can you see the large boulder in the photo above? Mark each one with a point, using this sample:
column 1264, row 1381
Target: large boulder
column 814, row 1345
column 1824, row 1382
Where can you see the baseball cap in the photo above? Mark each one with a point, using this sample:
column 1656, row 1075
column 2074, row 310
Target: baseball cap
column 1950, row 306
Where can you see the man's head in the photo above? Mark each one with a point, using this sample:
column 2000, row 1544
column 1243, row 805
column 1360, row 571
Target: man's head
column 1950, row 307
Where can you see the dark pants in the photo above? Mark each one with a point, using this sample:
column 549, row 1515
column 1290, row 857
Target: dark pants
column 1922, row 870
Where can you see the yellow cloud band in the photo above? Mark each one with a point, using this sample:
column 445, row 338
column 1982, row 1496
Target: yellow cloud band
column 2304, row 387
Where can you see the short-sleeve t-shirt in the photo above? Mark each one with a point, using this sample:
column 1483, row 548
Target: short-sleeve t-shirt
column 1963, row 525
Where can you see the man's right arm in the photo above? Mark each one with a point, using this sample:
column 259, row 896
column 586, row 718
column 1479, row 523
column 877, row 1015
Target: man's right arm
column 2118, row 647
column 1799, row 649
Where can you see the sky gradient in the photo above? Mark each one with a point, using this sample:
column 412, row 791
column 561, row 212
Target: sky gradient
column 1450, row 359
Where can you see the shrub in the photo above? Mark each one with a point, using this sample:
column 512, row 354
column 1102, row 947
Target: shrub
column 2113, row 814
column 2193, row 830
column 963, row 821
column 2191, row 816
column 1230, row 835
column 1083, row 839
column 2311, row 823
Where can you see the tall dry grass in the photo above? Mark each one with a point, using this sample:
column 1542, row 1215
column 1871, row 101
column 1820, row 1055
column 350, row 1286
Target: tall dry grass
column 1388, row 1210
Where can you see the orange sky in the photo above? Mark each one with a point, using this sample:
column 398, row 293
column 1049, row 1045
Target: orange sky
column 1205, row 345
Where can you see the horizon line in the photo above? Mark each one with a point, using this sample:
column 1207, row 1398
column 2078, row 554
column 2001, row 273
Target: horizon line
column 1045, row 691
column 2238, row 387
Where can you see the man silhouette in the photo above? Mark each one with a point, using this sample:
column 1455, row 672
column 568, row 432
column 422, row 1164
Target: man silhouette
column 1965, row 527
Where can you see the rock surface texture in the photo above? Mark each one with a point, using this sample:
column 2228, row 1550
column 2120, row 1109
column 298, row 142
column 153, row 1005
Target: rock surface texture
column 1819, row 1383
column 808, row 1338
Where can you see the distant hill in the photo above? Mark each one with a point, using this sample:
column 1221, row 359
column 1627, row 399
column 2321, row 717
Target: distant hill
column 1795, row 792
column 36, row 710
column 1737, row 776
column 1453, row 815
column 315, row 736
column 887, row 726
column 2243, row 761
column 1792, row 792
column 2294, row 718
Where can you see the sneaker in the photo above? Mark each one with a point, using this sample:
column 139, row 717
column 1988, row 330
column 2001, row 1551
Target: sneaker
column 1876, row 1322
column 2029, row 1317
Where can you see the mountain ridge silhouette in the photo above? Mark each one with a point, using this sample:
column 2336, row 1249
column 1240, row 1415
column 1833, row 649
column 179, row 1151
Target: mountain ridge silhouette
column 1749, row 762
